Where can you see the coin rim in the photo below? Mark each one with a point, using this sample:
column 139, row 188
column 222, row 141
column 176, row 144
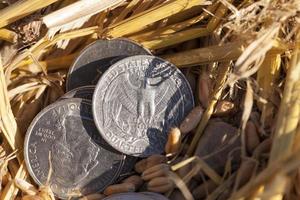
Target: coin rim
column 94, row 99
column 27, row 137
column 85, row 49
column 89, row 87
column 147, row 197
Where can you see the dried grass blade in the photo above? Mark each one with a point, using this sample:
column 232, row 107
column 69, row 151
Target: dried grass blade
column 190, row 34
column 289, row 112
column 280, row 166
column 208, row 170
column 174, row 27
column 221, row 188
column 38, row 48
column 20, row 9
column 220, row 84
column 217, row 53
column 75, row 15
column 267, row 76
column 138, row 22
column 248, row 104
column 8, row 35
column 125, row 11
column 142, row 7
column 76, row 11
column 53, row 64
column 181, row 185
column 8, row 123
column 10, row 191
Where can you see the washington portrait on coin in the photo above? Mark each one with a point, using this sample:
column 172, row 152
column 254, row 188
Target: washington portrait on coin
column 136, row 102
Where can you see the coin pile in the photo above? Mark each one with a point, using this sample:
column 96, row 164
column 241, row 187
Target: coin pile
column 120, row 103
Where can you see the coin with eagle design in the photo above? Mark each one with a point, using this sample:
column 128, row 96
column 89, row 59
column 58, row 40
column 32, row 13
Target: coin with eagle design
column 136, row 102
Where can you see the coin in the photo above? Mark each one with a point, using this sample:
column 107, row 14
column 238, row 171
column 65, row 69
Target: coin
column 128, row 196
column 155, row 196
column 84, row 92
column 127, row 169
column 82, row 162
column 137, row 101
column 97, row 57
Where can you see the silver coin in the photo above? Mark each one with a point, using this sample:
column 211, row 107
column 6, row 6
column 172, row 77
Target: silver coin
column 137, row 101
column 82, row 161
column 96, row 58
column 128, row 196
column 84, row 92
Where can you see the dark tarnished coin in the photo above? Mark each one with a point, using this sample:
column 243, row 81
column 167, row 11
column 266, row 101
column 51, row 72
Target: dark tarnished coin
column 82, row 161
column 85, row 92
column 97, row 57
column 127, row 169
column 137, row 100
column 129, row 196
column 155, row 196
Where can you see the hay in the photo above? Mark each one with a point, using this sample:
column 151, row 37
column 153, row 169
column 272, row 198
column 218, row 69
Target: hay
column 248, row 49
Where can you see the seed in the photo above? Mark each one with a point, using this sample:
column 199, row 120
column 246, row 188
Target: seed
column 204, row 89
column 93, row 197
column 191, row 121
column 137, row 181
column 31, row 197
column 160, row 185
column 119, row 188
column 140, row 166
column 174, row 141
column 263, row 147
column 245, row 172
column 26, row 187
column 252, row 138
column 6, row 178
column 155, row 160
column 156, row 171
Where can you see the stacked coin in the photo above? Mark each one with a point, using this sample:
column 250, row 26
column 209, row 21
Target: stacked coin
column 120, row 103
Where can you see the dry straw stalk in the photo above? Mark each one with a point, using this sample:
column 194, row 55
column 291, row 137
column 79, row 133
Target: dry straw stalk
column 8, row 123
column 8, row 35
column 289, row 112
column 77, row 10
column 220, row 84
column 141, row 20
column 20, row 9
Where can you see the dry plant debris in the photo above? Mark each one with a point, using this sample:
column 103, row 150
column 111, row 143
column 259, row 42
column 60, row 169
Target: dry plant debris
column 242, row 59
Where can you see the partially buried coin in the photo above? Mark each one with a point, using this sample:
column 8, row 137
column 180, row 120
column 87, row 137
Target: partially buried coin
column 129, row 196
column 84, row 92
column 136, row 102
column 155, row 196
column 82, row 162
column 96, row 58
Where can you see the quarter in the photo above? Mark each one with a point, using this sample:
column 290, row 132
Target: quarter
column 137, row 101
column 96, row 58
column 82, row 162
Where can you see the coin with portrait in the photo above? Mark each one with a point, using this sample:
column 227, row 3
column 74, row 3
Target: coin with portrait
column 64, row 134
